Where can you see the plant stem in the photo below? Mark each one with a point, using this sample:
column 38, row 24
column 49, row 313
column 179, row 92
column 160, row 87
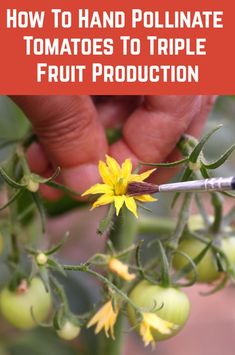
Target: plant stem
column 182, row 220
column 122, row 236
column 24, row 163
column 15, row 250
column 148, row 225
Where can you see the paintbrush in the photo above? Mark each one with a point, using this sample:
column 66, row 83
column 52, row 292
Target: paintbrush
column 213, row 184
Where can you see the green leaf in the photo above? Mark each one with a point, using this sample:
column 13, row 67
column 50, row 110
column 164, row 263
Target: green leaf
column 170, row 165
column 56, row 247
column 44, row 181
column 36, row 198
column 217, row 163
column 62, row 188
column 10, row 181
column 12, row 199
column 197, row 150
column 56, row 266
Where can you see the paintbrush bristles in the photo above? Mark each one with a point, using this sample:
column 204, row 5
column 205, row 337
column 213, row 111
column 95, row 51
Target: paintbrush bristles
column 141, row 188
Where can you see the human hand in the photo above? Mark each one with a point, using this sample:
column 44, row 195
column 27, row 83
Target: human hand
column 71, row 131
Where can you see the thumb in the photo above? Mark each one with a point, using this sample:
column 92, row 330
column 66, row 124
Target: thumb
column 70, row 133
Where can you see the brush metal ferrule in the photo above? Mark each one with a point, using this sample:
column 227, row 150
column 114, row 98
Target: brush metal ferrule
column 214, row 184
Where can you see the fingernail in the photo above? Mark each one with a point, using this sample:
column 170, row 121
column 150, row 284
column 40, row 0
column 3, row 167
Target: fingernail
column 80, row 178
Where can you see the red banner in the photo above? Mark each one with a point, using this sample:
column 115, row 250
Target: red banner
column 117, row 47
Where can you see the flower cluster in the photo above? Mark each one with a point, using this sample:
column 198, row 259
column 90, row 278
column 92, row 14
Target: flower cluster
column 115, row 183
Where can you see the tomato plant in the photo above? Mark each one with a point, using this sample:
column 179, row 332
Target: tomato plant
column 17, row 306
column 170, row 304
column 207, row 270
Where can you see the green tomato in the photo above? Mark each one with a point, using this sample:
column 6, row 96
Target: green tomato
column 69, row 331
column 171, row 305
column 196, row 222
column 228, row 247
column 16, row 306
column 207, row 270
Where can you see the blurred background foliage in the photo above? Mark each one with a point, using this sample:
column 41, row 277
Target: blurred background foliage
column 82, row 292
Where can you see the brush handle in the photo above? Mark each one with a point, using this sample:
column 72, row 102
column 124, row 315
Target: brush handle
column 214, row 184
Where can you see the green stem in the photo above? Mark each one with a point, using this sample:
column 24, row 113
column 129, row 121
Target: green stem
column 150, row 226
column 107, row 282
column 15, row 258
column 61, row 293
column 23, row 161
column 125, row 230
column 122, row 237
column 15, row 252
column 182, row 220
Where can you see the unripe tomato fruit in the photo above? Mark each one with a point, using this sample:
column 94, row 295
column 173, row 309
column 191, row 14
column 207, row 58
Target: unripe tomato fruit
column 169, row 303
column 69, row 331
column 16, row 307
column 207, row 270
column 228, row 247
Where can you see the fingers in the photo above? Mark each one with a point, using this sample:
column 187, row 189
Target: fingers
column 72, row 137
column 195, row 129
column 70, row 133
column 113, row 111
column 152, row 131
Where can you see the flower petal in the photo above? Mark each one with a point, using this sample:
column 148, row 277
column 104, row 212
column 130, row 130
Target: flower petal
column 126, row 169
column 145, row 198
column 159, row 324
column 98, row 189
column 131, row 205
column 103, row 200
column 146, row 334
column 118, row 202
column 98, row 315
column 141, row 177
column 113, row 165
column 105, row 318
column 120, row 269
column 107, row 177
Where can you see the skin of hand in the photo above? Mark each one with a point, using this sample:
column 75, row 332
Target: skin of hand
column 71, row 132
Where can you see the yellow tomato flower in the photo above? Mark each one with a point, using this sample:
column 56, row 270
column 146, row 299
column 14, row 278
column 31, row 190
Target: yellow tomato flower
column 120, row 269
column 105, row 318
column 114, row 188
column 152, row 321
